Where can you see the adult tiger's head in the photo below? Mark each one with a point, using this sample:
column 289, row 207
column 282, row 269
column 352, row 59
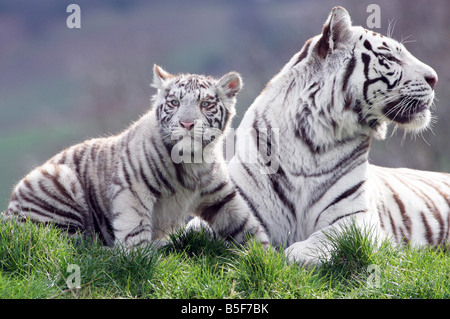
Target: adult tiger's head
column 358, row 81
column 194, row 110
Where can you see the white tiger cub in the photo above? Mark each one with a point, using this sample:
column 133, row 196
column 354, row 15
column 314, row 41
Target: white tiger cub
column 342, row 88
column 135, row 187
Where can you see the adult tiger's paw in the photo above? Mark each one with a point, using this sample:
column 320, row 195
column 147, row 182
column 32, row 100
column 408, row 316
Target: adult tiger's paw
column 303, row 254
column 199, row 225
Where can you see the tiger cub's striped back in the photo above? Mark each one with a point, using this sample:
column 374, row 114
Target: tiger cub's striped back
column 67, row 190
column 141, row 184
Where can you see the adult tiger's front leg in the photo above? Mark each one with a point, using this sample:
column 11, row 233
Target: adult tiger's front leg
column 320, row 245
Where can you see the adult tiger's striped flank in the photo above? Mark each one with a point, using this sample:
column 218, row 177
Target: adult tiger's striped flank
column 137, row 186
column 342, row 88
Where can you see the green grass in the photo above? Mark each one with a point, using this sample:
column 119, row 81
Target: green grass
column 34, row 263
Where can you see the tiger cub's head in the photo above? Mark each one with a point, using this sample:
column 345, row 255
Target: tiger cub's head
column 194, row 110
column 371, row 76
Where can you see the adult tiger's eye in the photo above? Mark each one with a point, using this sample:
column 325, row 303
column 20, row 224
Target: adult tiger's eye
column 392, row 58
column 174, row 103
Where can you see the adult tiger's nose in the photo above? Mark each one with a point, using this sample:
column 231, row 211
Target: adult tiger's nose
column 187, row 125
column 431, row 80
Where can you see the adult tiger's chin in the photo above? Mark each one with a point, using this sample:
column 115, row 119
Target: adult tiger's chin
column 411, row 114
column 418, row 122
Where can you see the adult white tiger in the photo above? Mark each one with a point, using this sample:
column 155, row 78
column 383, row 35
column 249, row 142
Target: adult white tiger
column 327, row 102
column 137, row 186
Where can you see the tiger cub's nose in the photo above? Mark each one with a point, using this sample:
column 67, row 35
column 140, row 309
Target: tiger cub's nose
column 187, row 125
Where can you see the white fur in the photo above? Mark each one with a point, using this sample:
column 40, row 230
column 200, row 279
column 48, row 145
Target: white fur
column 130, row 189
column 307, row 183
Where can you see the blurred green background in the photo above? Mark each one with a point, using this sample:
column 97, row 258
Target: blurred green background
column 59, row 86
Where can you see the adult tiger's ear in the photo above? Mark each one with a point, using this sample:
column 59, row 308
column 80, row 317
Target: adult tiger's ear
column 336, row 30
column 160, row 77
column 230, row 84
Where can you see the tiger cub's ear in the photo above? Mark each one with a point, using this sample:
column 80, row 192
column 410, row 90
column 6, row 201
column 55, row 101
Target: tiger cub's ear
column 230, row 84
column 160, row 77
column 335, row 30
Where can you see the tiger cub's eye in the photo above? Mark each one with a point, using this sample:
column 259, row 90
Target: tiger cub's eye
column 207, row 105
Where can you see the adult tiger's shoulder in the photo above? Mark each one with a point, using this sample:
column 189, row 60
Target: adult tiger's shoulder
column 319, row 114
